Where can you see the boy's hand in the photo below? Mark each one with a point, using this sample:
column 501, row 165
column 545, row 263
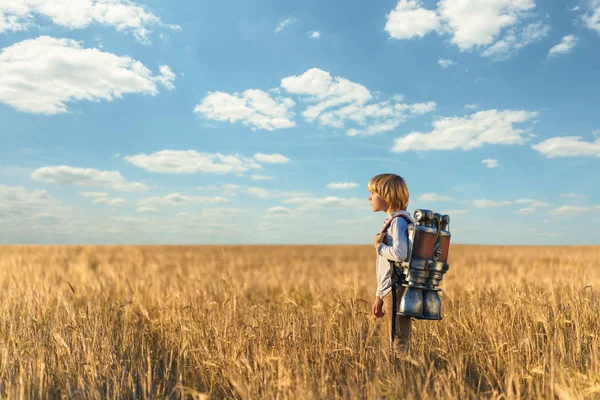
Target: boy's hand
column 378, row 239
column 378, row 307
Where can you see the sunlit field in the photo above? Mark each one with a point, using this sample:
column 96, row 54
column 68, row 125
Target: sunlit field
column 277, row 322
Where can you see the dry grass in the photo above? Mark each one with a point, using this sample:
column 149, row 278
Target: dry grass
column 291, row 322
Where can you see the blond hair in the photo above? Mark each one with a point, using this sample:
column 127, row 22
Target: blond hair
column 392, row 188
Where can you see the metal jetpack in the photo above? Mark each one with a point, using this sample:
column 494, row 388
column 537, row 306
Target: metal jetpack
column 425, row 265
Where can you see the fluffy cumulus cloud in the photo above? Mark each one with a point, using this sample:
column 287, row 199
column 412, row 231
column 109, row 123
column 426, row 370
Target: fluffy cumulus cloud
column 147, row 209
column 311, row 203
column 531, row 206
column 445, row 63
column 483, row 127
column 434, row 198
column 573, row 196
column 568, row 146
column 254, row 108
column 177, row 199
column 66, row 175
column 569, row 210
column 17, row 202
column 515, row 39
column 336, row 102
column 315, row 34
column 591, row 18
column 218, row 213
column 526, row 211
column 532, row 202
column 102, row 198
column 267, row 194
column 498, row 28
column 225, row 189
column 342, row 185
column 409, row 20
column 490, row 162
column 42, row 75
column 456, row 212
column 485, row 203
column 271, row 158
column 259, row 177
column 277, row 212
column 566, row 45
column 124, row 15
column 191, row 161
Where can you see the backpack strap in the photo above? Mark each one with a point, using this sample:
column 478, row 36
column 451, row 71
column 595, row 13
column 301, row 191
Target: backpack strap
column 401, row 215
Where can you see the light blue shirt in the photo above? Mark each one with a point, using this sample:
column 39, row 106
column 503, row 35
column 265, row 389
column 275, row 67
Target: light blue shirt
column 394, row 247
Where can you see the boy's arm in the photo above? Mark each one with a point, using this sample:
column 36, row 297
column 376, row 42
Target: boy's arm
column 399, row 248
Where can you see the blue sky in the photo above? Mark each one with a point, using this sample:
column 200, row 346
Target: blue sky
column 262, row 122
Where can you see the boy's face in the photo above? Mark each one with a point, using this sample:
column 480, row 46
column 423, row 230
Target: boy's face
column 378, row 203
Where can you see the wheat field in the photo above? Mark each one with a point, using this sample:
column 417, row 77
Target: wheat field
column 279, row 322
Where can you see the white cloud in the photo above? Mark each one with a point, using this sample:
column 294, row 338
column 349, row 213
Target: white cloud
column 445, row 63
column 357, row 222
column 191, row 161
column 102, row 198
column 271, row 158
column 483, row 127
column 19, row 202
column 177, row 199
column 254, row 108
column 315, row 34
column 342, row 185
column 337, row 101
column 490, row 162
column 455, row 212
column 515, row 40
column 166, row 77
column 42, row 75
column 124, row 15
column 260, row 192
column 573, row 195
column 284, row 24
column 532, row 202
column 471, row 106
column 94, row 194
column 146, row 209
column 216, row 213
column 591, row 18
column 277, row 212
column 565, row 46
column 108, row 201
column 568, row 210
column 308, row 203
column 66, row 175
column 266, row 194
column 434, row 197
column 226, row 189
column 480, row 23
column 257, row 177
column 526, row 211
column 494, row 27
column 484, row 203
column 596, row 132
column 409, row 20
column 568, row 146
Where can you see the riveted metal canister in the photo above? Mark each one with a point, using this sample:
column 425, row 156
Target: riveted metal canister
column 425, row 235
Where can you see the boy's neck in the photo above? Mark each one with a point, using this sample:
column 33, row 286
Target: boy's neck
column 388, row 212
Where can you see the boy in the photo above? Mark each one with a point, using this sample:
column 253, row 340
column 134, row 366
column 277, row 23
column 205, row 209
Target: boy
column 389, row 193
